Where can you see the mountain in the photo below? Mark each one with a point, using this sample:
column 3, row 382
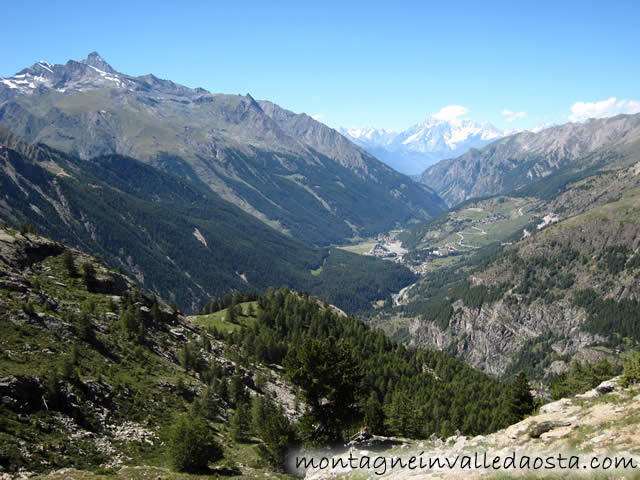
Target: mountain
column 524, row 158
column 178, row 239
column 287, row 170
column 423, row 144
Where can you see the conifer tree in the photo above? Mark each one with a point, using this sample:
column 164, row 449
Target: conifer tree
column 240, row 423
column 520, row 401
column 69, row 264
column 328, row 376
column 373, row 415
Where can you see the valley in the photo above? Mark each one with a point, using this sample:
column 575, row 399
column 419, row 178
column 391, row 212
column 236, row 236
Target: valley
column 530, row 314
column 198, row 284
column 289, row 171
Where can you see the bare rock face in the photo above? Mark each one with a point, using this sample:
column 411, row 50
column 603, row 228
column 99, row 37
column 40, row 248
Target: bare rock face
column 546, row 426
column 21, row 394
column 488, row 338
column 18, row 251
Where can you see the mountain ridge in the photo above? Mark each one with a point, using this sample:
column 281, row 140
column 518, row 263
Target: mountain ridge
column 526, row 157
column 268, row 167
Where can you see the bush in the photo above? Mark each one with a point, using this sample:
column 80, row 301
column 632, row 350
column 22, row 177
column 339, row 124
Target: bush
column 191, row 445
column 88, row 274
column 631, row 372
column 69, row 264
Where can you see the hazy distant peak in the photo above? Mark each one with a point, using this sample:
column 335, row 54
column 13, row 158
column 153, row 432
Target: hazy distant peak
column 379, row 136
column 438, row 136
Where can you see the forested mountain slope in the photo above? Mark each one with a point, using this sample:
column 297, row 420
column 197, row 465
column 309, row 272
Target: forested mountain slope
column 100, row 376
column 177, row 239
column 566, row 286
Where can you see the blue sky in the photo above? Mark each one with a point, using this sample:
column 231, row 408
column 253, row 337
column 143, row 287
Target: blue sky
column 386, row 64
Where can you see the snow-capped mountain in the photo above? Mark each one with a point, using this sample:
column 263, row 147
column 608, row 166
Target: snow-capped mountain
column 93, row 72
column 423, row 144
column 89, row 74
column 455, row 136
column 370, row 135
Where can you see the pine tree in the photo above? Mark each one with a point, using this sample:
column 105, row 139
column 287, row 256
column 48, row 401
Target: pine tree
column 328, row 375
column 88, row 274
column 373, row 415
column 631, row 372
column 237, row 391
column 520, row 401
column 191, row 445
column 209, row 404
column 274, row 429
column 155, row 309
column 231, row 314
column 240, row 423
column 69, row 264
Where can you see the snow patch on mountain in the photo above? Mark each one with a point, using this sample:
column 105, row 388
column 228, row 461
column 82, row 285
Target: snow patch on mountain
column 378, row 136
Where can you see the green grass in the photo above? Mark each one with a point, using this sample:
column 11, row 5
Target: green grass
column 216, row 320
column 317, row 271
column 463, row 219
column 360, row 248
column 222, row 469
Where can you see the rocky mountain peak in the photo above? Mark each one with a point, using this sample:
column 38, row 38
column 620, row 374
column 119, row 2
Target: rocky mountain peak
column 95, row 60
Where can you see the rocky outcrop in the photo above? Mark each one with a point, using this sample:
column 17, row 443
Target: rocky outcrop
column 586, row 427
column 491, row 338
column 22, row 394
column 18, row 251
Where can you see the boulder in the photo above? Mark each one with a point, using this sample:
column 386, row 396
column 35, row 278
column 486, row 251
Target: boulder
column 544, row 427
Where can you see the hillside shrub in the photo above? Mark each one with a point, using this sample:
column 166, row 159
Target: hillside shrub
column 191, row 445
column 631, row 372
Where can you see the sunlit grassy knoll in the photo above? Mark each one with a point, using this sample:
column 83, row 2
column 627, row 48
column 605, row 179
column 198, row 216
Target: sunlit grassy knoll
column 217, row 319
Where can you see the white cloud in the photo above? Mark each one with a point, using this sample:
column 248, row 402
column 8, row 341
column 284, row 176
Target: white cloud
column 318, row 116
column 511, row 116
column 450, row 112
column 581, row 111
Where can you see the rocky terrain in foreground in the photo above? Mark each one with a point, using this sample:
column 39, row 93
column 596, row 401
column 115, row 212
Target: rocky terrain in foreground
column 597, row 424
